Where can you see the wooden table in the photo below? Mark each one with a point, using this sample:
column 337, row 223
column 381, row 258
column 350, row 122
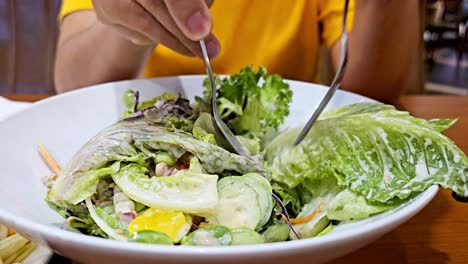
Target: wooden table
column 439, row 233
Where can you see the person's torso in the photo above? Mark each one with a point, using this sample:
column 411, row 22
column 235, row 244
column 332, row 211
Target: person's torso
column 282, row 37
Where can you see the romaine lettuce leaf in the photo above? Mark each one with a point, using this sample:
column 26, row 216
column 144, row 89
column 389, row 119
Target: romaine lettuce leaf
column 84, row 181
column 188, row 192
column 136, row 141
column 110, row 219
column 376, row 151
column 251, row 144
column 347, row 206
column 103, row 224
column 204, row 127
column 83, row 223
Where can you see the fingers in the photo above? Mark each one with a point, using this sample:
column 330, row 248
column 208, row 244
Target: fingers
column 193, row 17
column 176, row 24
column 161, row 13
column 146, row 27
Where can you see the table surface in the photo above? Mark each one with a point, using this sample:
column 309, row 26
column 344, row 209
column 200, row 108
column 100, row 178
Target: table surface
column 438, row 234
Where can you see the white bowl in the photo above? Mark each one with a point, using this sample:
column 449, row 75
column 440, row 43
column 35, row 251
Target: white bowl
column 63, row 123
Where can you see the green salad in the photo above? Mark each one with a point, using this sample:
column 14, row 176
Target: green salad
column 162, row 173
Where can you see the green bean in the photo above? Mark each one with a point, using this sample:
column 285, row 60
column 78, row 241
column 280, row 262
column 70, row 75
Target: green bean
column 151, row 237
column 209, row 236
column 246, row 236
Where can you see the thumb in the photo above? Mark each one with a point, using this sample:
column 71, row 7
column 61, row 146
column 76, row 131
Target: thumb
column 192, row 17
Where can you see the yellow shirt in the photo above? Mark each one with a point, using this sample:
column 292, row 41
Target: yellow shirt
column 283, row 36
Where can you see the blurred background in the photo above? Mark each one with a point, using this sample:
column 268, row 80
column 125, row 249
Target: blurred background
column 28, row 33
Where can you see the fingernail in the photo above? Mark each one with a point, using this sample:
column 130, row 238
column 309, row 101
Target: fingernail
column 198, row 23
column 213, row 48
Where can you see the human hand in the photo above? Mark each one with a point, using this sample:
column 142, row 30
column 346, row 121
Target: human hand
column 176, row 24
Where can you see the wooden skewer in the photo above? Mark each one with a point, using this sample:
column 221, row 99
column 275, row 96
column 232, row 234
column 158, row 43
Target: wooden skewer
column 48, row 159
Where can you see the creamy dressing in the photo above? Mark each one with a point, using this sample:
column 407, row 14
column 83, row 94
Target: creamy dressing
column 398, row 154
column 427, row 142
column 358, row 140
column 421, row 172
column 405, row 191
column 449, row 168
column 456, row 157
column 387, row 173
column 409, row 141
column 363, row 164
column 433, row 170
column 383, row 135
column 205, row 238
column 388, row 178
column 122, row 203
column 359, row 181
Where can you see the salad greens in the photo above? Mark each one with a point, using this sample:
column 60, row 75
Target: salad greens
column 365, row 158
column 252, row 103
column 162, row 174
column 382, row 154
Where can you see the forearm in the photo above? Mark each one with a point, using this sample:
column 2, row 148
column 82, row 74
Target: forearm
column 382, row 46
column 95, row 55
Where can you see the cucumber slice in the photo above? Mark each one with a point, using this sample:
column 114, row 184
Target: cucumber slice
column 237, row 205
column 311, row 228
column 188, row 192
column 327, row 230
column 245, row 236
column 263, row 189
column 276, row 232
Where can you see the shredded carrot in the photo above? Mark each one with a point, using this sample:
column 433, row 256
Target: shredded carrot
column 49, row 160
column 11, row 232
column 305, row 219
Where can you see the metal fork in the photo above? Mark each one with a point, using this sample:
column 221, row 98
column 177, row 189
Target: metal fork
column 231, row 139
column 335, row 83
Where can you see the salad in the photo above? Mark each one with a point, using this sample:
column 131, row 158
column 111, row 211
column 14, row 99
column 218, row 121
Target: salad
column 162, row 173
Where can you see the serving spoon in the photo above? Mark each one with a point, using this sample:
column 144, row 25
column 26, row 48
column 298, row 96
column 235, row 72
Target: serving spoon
column 233, row 143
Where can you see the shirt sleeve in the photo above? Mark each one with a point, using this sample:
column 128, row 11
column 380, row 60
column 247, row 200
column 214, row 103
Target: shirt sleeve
column 330, row 17
column 70, row 6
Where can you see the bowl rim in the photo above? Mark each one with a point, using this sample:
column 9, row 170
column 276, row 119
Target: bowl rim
column 48, row 232
column 403, row 213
